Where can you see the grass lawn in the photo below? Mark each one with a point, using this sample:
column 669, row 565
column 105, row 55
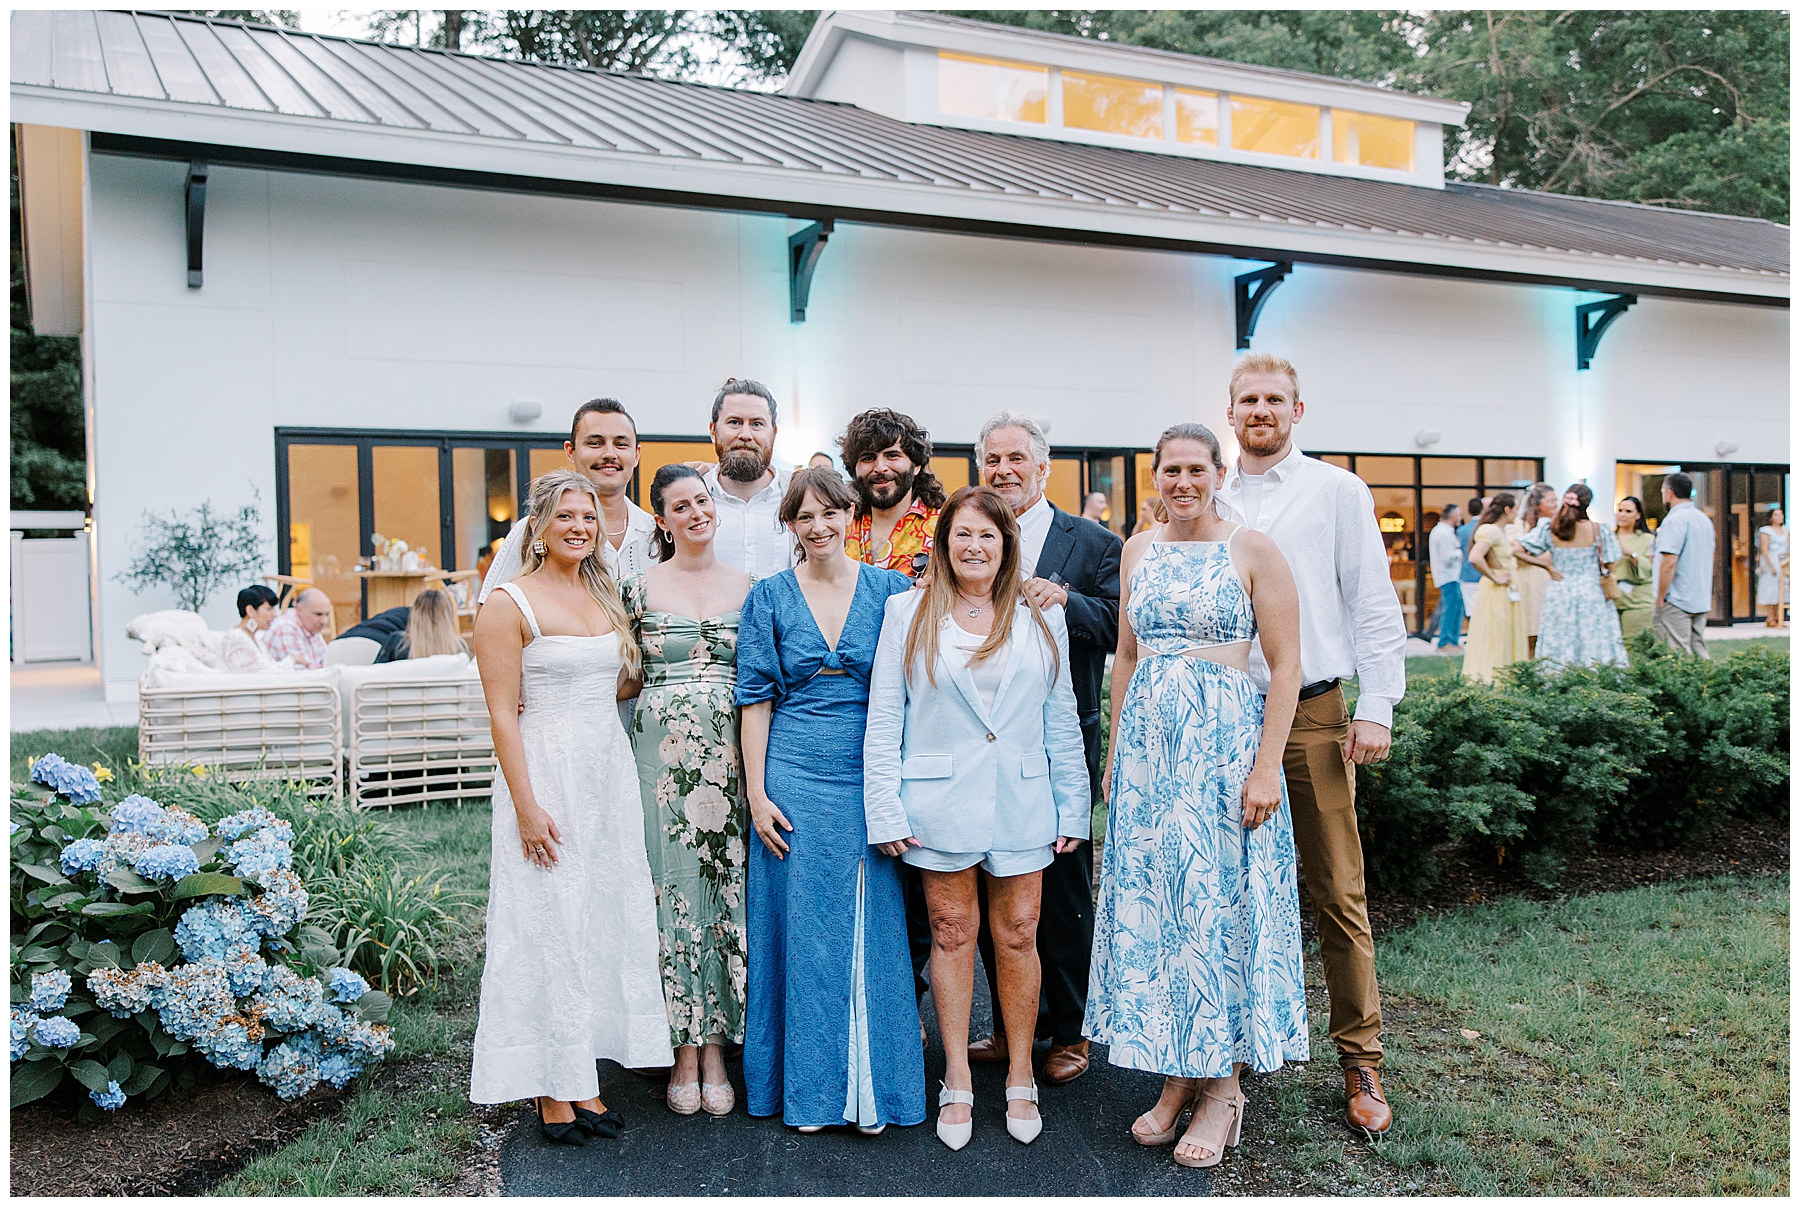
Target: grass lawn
column 1446, row 665
column 408, row 1128
column 109, row 747
column 1628, row 1043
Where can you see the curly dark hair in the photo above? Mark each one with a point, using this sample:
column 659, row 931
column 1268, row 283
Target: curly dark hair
column 874, row 430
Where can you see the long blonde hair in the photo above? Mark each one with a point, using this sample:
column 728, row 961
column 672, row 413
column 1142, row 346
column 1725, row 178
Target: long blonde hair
column 546, row 492
column 431, row 627
column 940, row 591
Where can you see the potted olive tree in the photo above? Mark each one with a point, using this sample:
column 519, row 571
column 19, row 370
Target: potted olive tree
column 197, row 553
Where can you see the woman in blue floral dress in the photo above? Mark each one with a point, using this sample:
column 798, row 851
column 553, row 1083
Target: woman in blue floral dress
column 1197, row 966
column 1579, row 625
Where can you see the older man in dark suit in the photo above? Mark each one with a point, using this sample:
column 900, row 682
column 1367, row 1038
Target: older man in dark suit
column 1073, row 562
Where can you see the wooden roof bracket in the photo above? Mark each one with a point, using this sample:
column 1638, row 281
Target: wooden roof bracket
column 804, row 248
column 196, row 219
column 1251, row 291
column 1591, row 321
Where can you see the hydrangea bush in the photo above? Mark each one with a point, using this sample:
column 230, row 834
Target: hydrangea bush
column 147, row 945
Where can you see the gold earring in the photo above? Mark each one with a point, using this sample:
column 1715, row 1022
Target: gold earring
column 537, row 546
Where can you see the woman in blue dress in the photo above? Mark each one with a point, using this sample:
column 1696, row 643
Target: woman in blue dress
column 1197, row 963
column 832, row 1036
column 1579, row 625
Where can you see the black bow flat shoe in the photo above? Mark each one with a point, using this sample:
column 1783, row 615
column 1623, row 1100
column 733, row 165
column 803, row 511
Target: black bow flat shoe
column 572, row 1133
column 605, row 1126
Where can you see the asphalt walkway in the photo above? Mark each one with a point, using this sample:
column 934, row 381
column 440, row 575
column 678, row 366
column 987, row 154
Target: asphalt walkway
column 1084, row 1148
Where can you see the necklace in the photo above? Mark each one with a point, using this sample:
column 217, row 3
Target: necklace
column 974, row 611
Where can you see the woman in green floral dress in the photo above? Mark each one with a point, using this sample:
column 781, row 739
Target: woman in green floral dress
column 684, row 610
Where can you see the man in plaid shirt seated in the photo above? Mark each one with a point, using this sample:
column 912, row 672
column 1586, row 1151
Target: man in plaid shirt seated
column 295, row 632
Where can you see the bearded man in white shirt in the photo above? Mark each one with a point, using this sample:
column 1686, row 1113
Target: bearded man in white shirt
column 1323, row 520
column 746, row 491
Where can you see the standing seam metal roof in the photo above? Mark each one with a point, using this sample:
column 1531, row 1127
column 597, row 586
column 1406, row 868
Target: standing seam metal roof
column 203, row 61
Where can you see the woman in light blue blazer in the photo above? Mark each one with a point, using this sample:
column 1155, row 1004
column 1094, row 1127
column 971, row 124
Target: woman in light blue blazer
column 973, row 758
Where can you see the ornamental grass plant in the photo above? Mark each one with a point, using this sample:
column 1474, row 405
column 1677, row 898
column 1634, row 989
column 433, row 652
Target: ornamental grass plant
column 1538, row 764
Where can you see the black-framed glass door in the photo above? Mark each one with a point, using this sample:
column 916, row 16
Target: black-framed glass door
column 1738, row 498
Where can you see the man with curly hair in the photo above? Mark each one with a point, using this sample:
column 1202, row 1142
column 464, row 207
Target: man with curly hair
column 888, row 456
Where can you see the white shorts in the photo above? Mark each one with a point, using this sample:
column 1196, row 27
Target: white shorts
column 999, row 864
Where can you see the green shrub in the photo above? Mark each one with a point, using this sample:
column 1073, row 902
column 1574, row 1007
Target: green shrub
column 1539, row 763
column 388, row 924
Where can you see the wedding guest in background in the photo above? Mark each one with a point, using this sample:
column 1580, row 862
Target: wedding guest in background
column 242, row 651
column 1470, row 577
column 295, row 633
column 571, row 976
column 1197, row 957
column 1684, row 543
column 1094, row 507
column 833, row 1033
column 823, row 460
column 684, row 613
column 1771, row 567
column 1532, row 575
column 1635, row 569
column 1073, row 563
column 898, row 497
column 430, row 630
column 1497, row 617
column 1322, row 518
column 603, row 447
column 1147, row 515
column 746, row 491
column 970, row 763
column 1446, row 575
column 1580, row 626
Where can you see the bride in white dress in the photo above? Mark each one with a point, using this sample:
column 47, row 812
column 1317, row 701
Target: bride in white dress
column 572, row 974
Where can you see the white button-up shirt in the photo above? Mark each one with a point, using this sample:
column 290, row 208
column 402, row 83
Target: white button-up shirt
column 1446, row 556
column 751, row 536
column 1322, row 518
column 633, row 555
column 1034, row 530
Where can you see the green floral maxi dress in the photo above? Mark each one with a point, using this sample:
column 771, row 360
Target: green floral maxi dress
column 690, row 776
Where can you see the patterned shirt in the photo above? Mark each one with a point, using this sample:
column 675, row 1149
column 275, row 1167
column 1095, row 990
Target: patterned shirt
column 287, row 639
column 910, row 538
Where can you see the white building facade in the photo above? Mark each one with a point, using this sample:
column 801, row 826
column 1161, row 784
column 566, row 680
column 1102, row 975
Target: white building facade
column 406, row 268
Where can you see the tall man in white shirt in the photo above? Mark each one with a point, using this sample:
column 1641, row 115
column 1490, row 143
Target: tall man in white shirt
column 746, row 491
column 1323, row 520
column 1446, row 575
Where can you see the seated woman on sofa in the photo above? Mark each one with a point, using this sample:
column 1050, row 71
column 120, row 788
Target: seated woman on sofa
column 430, row 630
column 242, row 650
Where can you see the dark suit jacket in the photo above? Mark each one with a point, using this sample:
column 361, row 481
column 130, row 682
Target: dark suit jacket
column 1084, row 557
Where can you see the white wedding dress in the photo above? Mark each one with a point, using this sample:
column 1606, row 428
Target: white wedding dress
column 572, row 974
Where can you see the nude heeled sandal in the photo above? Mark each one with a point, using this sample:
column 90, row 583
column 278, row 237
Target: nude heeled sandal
column 1155, row 1139
column 955, row 1135
column 1024, row 1130
column 1217, row 1145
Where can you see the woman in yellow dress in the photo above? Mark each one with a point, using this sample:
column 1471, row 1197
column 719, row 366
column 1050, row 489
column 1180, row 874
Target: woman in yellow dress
column 1635, row 573
column 1535, row 570
column 1497, row 616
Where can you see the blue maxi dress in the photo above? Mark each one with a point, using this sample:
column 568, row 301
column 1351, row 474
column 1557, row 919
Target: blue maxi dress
column 832, row 1033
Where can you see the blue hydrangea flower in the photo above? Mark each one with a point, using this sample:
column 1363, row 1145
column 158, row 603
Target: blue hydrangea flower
column 346, row 986
column 216, row 928
column 193, row 999
column 111, row 1100
column 178, row 826
column 123, row 992
column 135, row 815
column 82, row 855
column 289, row 1001
column 247, row 972
column 364, row 1043
column 57, row 1032
column 121, row 850
column 49, row 990
column 68, row 779
column 337, row 1070
column 167, row 862
column 292, row 1067
column 263, row 851
column 235, row 1042
column 281, row 906
column 22, row 1021
column 259, row 818
column 16, row 827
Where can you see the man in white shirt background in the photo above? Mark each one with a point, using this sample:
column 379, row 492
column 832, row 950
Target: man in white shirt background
column 1323, row 520
column 1446, row 574
column 746, row 490
column 602, row 447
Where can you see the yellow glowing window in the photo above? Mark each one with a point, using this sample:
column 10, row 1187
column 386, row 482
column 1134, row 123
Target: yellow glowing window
column 1197, row 117
column 1274, row 127
column 1372, row 142
column 1099, row 102
column 1008, row 92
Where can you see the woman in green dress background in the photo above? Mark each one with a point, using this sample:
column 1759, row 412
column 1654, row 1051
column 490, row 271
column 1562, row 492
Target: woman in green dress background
column 684, row 611
column 1636, row 570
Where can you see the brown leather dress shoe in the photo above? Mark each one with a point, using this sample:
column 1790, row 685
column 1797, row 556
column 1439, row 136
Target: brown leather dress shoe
column 989, row 1051
column 1366, row 1109
column 1066, row 1062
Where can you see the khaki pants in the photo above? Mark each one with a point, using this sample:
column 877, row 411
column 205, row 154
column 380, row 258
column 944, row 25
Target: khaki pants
column 1322, row 798
column 1683, row 630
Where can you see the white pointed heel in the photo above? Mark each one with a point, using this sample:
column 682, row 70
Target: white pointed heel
column 955, row 1135
column 1024, row 1130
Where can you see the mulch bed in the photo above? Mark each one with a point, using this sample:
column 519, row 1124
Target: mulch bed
column 178, row 1144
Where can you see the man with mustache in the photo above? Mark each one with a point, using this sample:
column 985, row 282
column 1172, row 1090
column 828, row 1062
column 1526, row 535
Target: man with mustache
column 1323, row 520
column 603, row 447
column 1073, row 562
column 746, row 492
column 889, row 459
